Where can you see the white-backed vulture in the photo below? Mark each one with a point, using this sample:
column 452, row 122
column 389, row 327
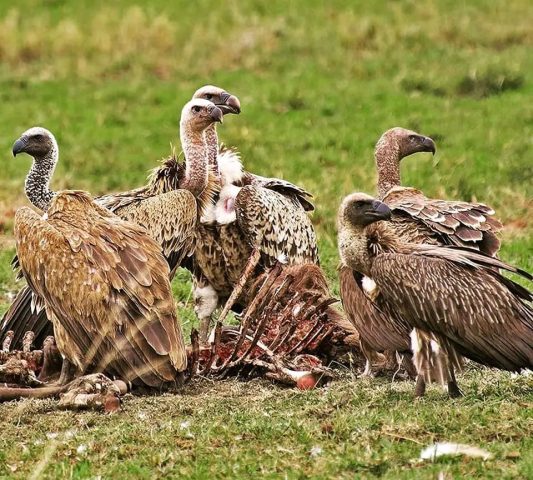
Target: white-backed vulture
column 253, row 222
column 454, row 294
column 165, row 207
column 416, row 219
column 104, row 282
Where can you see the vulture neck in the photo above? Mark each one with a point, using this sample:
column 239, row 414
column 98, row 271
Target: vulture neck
column 196, row 170
column 211, row 140
column 388, row 159
column 37, row 186
column 359, row 246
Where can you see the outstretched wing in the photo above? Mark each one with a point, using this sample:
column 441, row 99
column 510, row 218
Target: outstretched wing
column 108, row 287
column 276, row 225
column 453, row 223
column 453, row 294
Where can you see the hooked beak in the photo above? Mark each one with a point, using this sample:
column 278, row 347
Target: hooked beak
column 429, row 145
column 380, row 211
column 18, row 147
column 231, row 103
column 217, row 115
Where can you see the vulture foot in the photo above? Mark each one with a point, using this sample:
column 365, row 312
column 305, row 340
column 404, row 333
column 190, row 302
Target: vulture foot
column 51, row 360
column 67, row 373
column 453, row 390
column 420, row 387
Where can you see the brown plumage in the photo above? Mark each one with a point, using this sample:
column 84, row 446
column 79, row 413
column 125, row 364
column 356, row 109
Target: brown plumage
column 253, row 222
column 455, row 295
column 105, row 285
column 420, row 218
column 416, row 219
column 168, row 206
column 104, row 281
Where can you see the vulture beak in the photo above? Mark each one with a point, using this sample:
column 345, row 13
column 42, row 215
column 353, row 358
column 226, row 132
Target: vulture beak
column 18, row 146
column 230, row 103
column 379, row 211
column 428, row 145
column 217, row 115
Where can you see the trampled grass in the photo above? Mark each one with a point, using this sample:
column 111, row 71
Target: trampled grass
column 319, row 82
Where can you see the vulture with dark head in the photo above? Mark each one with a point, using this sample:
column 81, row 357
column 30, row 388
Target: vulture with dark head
column 104, row 282
column 169, row 206
column 253, row 222
column 416, row 219
column 455, row 295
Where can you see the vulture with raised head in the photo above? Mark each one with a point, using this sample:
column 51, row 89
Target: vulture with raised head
column 168, row 206
column 416, row 219
column 455, row 295
column 253, row 222
column 104, row 282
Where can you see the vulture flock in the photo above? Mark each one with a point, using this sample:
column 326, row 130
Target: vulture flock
column 421, row 285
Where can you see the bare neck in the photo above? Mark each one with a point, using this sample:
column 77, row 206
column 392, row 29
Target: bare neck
column 211, row 140
column 37, row 185
column 196, row 170
column 387, row 156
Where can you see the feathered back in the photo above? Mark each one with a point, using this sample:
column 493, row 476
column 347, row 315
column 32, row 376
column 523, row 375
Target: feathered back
column 105, row 284
column 422, row 220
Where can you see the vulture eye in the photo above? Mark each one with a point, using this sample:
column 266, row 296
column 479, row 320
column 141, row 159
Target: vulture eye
column 413, row 137
column 208, row 96
column 38, row 137
column 196, row 108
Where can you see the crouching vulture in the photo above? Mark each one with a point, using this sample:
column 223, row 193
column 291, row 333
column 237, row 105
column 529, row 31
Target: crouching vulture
column 416, row 219
column 452, row 294
column 104, row 281
column 168, row 206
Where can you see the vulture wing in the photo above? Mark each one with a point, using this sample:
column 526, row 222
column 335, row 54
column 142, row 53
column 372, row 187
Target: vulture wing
column 277, row 225
column 452, row 223
column 170, row 218
column 458, row 296
column 282, row 186
column 106, row 284
column 379, row 331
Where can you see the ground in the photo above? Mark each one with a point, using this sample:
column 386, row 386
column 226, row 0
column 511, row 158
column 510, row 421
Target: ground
column 318, row 82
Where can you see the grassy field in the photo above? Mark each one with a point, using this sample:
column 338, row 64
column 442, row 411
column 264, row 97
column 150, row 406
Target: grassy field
column 318, row 82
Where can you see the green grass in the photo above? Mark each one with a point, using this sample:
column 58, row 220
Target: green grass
column 318, row 82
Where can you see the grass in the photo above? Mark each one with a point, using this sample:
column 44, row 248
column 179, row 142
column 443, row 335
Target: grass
column 318, row 82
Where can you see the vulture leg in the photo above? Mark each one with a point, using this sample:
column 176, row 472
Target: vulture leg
column 420, row 388
column 453, row 388
column 248, row 270
column 205, row 303
column 51, row 360
column 67, row 373
column 371, row 356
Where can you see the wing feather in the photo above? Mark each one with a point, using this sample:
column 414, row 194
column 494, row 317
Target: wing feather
column 461, row 300
column 97, row 299
column 450, row 222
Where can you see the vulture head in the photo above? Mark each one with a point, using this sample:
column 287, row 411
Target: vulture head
column 37, row 142
column 357, row 212
column 360, row 210
column 225, row 101
column 404, row 143
column 198, row 114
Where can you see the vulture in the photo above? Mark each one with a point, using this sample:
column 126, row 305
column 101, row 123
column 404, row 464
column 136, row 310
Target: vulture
column 416, row 219
column 455, row 295
column 168, row 206
column 252, row 223
column 103, row 281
